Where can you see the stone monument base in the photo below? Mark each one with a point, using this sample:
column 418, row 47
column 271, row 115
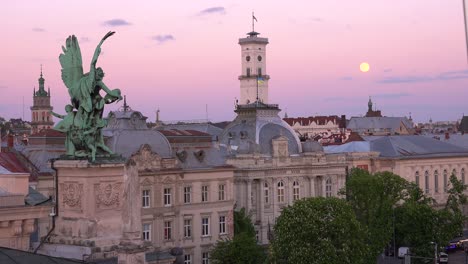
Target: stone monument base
column 97, row 217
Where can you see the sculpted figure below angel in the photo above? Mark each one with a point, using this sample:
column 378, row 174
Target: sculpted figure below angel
column 83, row 126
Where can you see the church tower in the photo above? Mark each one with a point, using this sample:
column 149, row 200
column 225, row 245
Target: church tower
column 254, row 78
column 40, row 111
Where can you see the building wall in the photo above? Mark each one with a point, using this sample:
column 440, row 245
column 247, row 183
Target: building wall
column 265, row 185
column 157, row 213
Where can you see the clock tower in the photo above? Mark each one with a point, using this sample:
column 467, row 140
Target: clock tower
column 254, row 78
column 41, row 117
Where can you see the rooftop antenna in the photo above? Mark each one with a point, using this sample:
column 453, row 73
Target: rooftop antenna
column 125, row 106
column 23, row 107
column 206, row 112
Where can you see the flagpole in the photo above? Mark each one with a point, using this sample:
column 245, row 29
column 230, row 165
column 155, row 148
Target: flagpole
column 253, row 26
column 466, row 27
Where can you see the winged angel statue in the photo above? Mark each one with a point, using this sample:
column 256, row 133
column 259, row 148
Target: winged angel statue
column 83, row 121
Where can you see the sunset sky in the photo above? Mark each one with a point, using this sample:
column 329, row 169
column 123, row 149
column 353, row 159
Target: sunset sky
column 182, row 55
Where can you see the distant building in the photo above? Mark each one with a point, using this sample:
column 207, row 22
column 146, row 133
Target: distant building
column 381, row 126
column 370, row 112
column 463, row 127
column 312, row 126
column 41, row 118
column 426, row 161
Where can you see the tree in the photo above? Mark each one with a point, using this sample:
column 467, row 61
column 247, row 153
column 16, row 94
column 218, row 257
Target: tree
column 242, row 223
column 243, row 247
column 418, row 222
column 318, row 230
column 373, row 198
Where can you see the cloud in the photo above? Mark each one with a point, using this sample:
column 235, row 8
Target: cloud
column 212, row 10
column 388, row 70
column 392, row 95
column 161, row 39
column 444, row 76
column 116, row 22
column 316, row 19
column 3, row 87
column 335, row 98
column 84, row 39
column 36, row 29
column 346, row 78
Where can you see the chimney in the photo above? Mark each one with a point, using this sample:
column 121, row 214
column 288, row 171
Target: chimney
column 11, row 139
column 342, row 121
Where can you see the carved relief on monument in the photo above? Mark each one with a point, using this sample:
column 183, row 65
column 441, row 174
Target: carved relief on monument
column 72, row 193
column 146, row 159
column 108, row 195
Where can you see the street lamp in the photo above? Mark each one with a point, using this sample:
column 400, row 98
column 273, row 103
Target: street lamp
column 435, row 251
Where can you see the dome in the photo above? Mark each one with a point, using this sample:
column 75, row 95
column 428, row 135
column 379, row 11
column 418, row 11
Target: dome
column 254, row 129
column 311, row 146
column 127, row 131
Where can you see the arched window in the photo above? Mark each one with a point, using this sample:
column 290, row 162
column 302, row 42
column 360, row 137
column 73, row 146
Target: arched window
column 436, row 181
column 463, row 175
column 295, row 191
column 454, row 172
column 426, row 182
column 328, row 188
column 416, row 178
column 280, row 192
column 445, row 181
column 266, row 193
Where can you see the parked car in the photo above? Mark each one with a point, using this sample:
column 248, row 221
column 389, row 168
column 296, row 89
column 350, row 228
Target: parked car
column 443, row 257
column 402, row 251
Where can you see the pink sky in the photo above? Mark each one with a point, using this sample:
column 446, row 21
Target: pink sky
column 416, row 50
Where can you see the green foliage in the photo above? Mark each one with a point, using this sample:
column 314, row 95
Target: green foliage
column 242, row 249
column 418, row 222
column 319, row 230
column 242, row 223
column 373, row 198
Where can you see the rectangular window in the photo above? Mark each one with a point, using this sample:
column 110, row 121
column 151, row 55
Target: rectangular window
column 187, row 228
column 259, row 71
column 221, row 192
column 187, row 194
column 204, row 194
column 167, row 230
column 248, row 72
column 222, row 225
column 205, row 258
column 147, row 232
column 281, row 195
column 205, row 226
column 187, row 259
column 167, row 196
column 146, row 198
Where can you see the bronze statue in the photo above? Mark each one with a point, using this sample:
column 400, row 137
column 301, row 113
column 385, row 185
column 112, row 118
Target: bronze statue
column 83, row 126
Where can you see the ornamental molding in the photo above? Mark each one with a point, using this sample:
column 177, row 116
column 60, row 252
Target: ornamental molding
column 108, row 195
column 72, row 194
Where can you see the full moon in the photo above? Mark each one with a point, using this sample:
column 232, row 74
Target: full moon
column 364, row 67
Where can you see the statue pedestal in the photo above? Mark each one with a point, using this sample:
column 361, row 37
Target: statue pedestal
column 99, row 206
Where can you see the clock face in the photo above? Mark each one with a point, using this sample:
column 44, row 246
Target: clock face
column 259, row 58
column 247, row 58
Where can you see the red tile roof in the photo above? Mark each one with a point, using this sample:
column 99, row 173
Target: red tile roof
column 184, row 133
column 9, row 161
column 48, row 133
